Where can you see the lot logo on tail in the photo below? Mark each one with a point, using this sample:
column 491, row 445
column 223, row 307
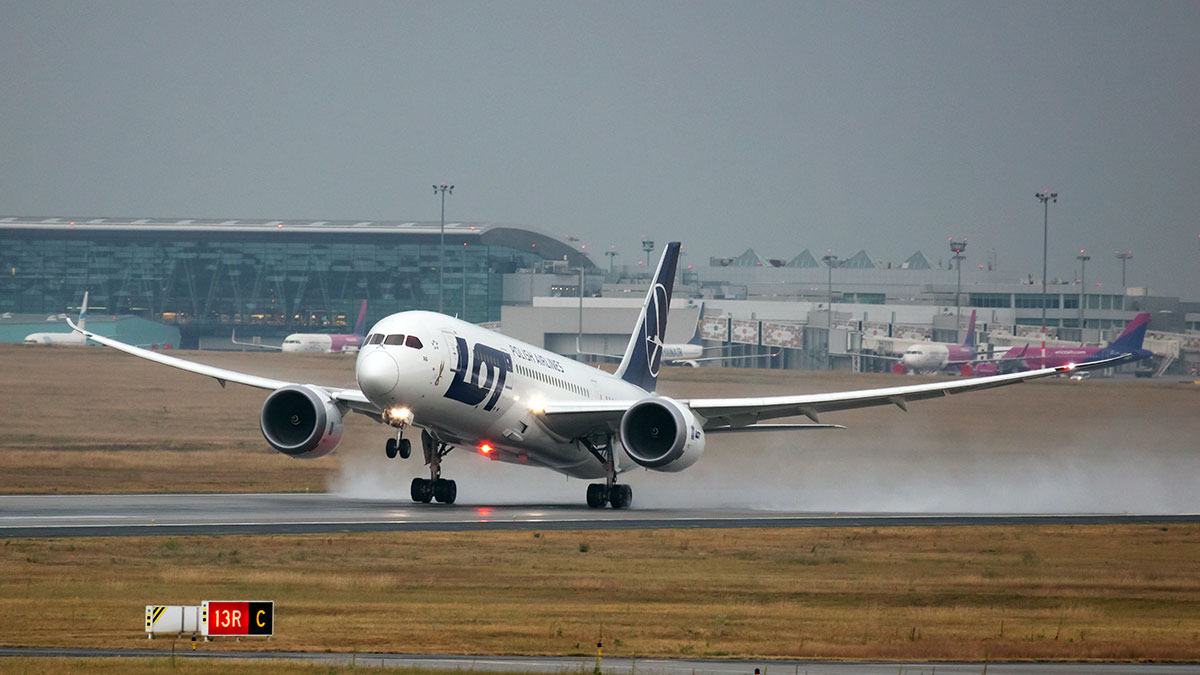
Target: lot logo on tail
column 479, row 374
column 652, row 329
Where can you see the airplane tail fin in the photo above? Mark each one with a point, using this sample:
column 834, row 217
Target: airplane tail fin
column 970, row 339
column 695, row 339
column 1130, row 341
column 360, row 326
column 83, row 312
column 643, row 356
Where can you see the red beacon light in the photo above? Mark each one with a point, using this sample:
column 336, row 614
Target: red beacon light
column 485, row 448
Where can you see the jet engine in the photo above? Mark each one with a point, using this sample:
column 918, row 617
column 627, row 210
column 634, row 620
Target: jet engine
column 662, row 434
column 301, row 421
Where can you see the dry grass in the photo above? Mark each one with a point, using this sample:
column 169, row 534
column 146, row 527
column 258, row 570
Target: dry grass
column 969, row 593
column 189, row 666
column 95, row 420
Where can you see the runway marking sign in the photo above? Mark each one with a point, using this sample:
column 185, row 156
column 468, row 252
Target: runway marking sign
column 237, row 617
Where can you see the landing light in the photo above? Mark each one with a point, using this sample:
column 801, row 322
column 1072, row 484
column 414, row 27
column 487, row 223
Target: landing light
column 398, row 414
column 537, row 407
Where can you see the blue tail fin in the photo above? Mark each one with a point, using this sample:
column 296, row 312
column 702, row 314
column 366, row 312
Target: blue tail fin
column 1129, row 342
column 360, row 326
column 696, row 335
column 643, row 355
column 970, row 339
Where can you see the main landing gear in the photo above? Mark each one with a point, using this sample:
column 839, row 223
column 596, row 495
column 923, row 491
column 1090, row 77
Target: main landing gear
column 608, row 492
column 435, row 487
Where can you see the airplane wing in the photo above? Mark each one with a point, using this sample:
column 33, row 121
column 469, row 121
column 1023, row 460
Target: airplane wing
column 351, row 398
column 726, row 358
column 573, row 418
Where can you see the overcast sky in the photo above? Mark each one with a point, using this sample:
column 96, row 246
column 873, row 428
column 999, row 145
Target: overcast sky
column 780, row 126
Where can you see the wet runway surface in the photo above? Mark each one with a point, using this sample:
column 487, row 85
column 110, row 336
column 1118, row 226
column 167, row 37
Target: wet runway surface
column 182, row 514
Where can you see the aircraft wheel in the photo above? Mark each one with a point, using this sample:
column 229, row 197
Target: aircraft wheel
column 405, row 449
column 621, row 496
column 422, row 490
column 595, row 496
column 445, row 491
column 390, row 448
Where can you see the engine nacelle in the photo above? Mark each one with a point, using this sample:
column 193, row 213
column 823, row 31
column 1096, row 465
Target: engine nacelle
column 301, row 421
column 662, row 434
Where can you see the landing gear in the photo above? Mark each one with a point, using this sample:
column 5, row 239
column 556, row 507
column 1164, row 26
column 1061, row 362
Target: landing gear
column 608, row 492
column 435, row 487
column 398, row 446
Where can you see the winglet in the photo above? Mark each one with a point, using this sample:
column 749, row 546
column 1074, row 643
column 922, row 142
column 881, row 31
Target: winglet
column 83, row 312
column 643, row 356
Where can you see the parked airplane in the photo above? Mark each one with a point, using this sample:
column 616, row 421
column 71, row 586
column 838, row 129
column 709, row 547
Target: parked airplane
column 71, row 338
column 465, row 386
column 689, row 353
column 1128, row 342
column 319, row 342
column 934, row 357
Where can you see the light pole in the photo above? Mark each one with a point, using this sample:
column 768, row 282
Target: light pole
column 443, row 189
column 1124, row 258
column 612, row 258
column 958, row 247
column 648, row 246
column 1082, row 287
column 831, row 261
column 1045, row 197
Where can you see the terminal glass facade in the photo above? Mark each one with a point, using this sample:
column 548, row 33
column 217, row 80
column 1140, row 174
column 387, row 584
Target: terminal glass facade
column 208, row 282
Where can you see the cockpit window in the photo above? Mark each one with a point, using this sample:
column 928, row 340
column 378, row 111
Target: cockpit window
column 414, row 342
column 374, row 338
column 397, row 339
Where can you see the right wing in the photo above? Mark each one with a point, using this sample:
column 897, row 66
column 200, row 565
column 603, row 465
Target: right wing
column 351, row 398
column 573, row 419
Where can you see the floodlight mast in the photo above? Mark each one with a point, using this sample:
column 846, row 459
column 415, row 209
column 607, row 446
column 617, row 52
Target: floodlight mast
column 442, row 189
column 1045, row 197
column 1082, row 258
column 831, row 261
column 958, row 247
column 1124, row 258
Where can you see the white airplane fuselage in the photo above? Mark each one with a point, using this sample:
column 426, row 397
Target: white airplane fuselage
column 55, row 339
column 469, row 386
column 321, row 343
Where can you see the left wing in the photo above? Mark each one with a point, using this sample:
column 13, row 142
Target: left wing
column 351, row 398
column 576, row 418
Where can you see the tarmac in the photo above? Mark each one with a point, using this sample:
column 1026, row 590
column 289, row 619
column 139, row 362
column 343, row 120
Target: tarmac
column 209, row 514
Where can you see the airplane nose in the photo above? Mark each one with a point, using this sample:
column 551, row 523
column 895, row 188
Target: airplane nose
column 377, row 374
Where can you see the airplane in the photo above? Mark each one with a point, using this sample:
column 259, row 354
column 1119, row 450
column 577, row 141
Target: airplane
column 1128, row 343
column 71, row 338
column 933, row 357
column 688, row 353
column 323, row 343
column 464, row 386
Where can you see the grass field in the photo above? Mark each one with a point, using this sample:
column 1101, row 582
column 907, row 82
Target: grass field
column 94, row 420
column 970, row 593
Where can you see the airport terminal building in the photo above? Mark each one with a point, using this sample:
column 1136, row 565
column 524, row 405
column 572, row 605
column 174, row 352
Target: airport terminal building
column 208, row 276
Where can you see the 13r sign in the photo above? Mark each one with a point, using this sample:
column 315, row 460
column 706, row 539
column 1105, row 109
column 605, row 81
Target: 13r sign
column 236, row 617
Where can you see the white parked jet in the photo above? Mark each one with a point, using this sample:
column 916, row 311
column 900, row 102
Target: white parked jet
column 321, row 343
column 689, row 353
column 464, row 386
column 71, row 338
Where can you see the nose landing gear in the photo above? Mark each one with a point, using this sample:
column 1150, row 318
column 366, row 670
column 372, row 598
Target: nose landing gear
column 398, row 446
column 435, row 487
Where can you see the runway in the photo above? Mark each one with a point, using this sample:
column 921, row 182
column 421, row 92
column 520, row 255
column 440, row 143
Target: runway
column 620, row 666
column 209, row 514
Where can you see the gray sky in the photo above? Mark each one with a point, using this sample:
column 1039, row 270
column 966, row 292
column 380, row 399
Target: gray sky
column 781, row 126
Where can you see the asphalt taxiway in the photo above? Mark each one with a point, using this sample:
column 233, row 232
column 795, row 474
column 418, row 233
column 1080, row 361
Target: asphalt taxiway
column 202, row 514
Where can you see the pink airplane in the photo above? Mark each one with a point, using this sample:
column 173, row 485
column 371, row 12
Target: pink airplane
column 1030, row 357
column 321, row 343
